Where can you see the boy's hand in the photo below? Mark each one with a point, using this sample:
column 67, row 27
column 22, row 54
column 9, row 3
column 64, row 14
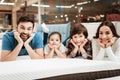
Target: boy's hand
column 83, row 42
column 74, row 44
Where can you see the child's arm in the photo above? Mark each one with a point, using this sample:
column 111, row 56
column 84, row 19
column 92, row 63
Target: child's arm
column 60, row 51
column 82, row 50
column 49, row 52
column 60, row 54
column 86, row 49
column 74, row 51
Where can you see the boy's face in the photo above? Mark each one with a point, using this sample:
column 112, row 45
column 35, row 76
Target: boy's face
column 25, row 29
column 54, row 39
column 78, row 38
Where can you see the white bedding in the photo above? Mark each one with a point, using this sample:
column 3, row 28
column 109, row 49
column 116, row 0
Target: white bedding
column 37, row 69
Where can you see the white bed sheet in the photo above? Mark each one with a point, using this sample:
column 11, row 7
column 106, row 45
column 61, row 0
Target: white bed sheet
column 37, row 69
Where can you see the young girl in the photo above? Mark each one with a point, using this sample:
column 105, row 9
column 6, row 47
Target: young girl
column 106, row 42
column 54, row 46
column 78, row 44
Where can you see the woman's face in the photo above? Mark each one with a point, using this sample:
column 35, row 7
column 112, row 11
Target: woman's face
column 78, row 38
column 54, row 39
column 105, row 34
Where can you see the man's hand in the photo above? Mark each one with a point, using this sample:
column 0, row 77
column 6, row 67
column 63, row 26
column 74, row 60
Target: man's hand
column 18, row 38
column 29, row 39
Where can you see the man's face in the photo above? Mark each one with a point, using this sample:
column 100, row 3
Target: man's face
column 25, row 29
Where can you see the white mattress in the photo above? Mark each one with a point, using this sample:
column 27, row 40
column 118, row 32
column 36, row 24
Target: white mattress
column 37, row 69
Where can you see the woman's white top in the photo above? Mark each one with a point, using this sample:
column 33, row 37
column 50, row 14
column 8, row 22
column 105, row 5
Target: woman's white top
column 110, row 53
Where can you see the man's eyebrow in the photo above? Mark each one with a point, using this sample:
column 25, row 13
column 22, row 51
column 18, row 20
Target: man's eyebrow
column 22, row 25
column 30, row 27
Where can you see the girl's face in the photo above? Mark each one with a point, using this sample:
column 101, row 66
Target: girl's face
column 105, row 34
column 78, row 38
column 54, row 39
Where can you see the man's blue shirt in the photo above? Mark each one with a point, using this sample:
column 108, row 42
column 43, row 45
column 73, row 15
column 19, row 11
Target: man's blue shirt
column 9, row 42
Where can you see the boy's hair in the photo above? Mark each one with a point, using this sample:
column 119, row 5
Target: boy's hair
column 25, row 19
column 78, row 29
column 55, row 33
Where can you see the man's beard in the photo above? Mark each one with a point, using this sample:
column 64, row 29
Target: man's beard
column 24, row 36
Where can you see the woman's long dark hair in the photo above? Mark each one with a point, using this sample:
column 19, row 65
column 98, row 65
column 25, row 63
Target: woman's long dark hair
column 108, row 24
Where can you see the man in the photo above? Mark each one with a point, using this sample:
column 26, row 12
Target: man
column 23, row 41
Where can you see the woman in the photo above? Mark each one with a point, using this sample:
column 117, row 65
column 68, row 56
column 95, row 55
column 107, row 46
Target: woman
column 106, row 42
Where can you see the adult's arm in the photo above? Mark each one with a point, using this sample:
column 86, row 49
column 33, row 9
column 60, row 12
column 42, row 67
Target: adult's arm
column 36, row 53
column 114, row 55
column 98, row 52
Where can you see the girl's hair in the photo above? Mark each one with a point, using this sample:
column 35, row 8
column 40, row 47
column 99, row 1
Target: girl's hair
column 55, row 33
column 78, row 29
column 108, row 24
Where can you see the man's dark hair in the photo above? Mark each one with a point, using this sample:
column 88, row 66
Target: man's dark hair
column 25, row 19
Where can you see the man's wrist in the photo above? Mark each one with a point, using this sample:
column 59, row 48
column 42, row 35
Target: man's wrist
column 20, row 44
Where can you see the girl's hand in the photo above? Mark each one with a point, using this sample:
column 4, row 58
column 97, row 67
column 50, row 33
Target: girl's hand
column 57, row 46
column 100, row 42
column 17, row 37
column 51, row 46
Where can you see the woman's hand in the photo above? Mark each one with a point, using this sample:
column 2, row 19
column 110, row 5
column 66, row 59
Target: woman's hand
column 100, row 42
column 29, row 39
column 110, row 42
